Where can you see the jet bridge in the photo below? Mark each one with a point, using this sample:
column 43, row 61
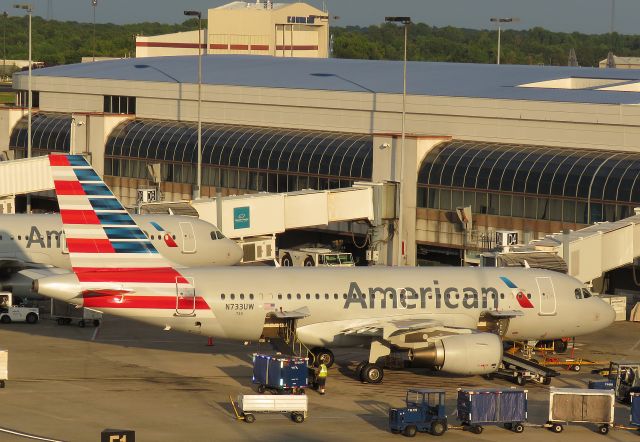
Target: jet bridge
column 18, row 177
column 597, row 249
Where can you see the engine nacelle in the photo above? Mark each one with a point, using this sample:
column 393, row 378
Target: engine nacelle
column 476, row 353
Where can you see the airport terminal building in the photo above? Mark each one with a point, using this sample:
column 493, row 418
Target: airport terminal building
column 530, row 149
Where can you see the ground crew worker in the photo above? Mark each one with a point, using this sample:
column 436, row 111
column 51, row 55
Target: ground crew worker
column 323, row 371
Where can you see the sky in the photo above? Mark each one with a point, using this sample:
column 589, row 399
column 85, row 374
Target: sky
column 588, row 16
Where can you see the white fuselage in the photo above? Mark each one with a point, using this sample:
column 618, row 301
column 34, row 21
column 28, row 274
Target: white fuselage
column 234, row 302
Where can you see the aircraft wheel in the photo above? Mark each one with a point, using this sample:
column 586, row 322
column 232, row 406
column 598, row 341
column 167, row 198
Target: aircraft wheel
column 556, row 428
column 5, row 319
column 31, row 318
column 560, row 346
column 322, row 355
column 298, row 418
column 286, row 261
column 410, row 430
column 518, row 428
column 372, row 373
column 520, row 380
column 308, row 262
column 546, row 381
column 476, row 429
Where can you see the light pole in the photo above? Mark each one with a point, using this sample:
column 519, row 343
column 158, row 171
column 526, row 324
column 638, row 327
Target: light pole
column 29, row 8
column 4, row 43
column 499, row 21
column 196, row 191
column 94, row 3
column 406, row 21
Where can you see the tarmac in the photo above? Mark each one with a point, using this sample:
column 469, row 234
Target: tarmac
column 68, row 383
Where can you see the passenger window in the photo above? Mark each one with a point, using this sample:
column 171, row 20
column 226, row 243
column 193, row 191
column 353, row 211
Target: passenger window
column 578, row 293
column 586, row 294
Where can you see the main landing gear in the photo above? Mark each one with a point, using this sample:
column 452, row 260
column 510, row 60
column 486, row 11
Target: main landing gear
column 372, row 371
column 322, row 355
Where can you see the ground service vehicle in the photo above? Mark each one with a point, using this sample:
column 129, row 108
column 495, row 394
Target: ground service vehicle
column 249, row 404
column 64, row 314
column 579, row 405
column 315, row 257
column 492, row 406
column 425, row 412
column 11, row 313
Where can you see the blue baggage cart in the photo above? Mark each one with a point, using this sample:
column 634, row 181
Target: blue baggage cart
column 635, row 410
column 280, row 374
column 492, row 406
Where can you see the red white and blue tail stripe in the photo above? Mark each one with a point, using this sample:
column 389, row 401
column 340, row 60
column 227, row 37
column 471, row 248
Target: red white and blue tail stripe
column 109, row 252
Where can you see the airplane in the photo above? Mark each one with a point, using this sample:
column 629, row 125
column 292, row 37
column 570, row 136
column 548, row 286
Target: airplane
column 34, row 245
column 449, row 319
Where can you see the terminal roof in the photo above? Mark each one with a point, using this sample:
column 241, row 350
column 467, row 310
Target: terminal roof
column 370, row 76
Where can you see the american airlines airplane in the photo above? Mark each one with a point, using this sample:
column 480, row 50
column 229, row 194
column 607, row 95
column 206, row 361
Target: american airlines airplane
column 33, row 246
column 452, row 319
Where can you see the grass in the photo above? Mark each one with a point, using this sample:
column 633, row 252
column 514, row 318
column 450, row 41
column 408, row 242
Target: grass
column 7, row 97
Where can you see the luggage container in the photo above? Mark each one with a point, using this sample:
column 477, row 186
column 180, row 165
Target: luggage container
column 4, row 367
column 249, row 404
column 578, row 405
column 492, row 406
column 280, row 374
column 634, row 416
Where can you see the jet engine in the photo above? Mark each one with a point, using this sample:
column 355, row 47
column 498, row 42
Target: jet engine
column 476, row 353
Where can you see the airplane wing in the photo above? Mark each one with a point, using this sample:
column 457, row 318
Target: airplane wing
column 387, row 328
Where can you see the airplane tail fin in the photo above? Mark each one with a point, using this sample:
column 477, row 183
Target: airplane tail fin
column 104, row 242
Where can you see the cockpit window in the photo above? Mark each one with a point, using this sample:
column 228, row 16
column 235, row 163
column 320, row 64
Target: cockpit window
column 578, row 293
column 216, row 234
column 586, row 294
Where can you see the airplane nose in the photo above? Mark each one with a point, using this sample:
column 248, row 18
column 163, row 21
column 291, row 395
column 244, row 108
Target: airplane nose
column 235, row 253
column 608, row 315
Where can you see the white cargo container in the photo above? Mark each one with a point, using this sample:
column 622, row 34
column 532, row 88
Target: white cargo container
column 619, row 305
column 4, row 367
column 295, row 404
column 581, row 405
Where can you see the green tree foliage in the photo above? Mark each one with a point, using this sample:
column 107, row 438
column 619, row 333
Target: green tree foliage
column 57, row 42
column 429, row 43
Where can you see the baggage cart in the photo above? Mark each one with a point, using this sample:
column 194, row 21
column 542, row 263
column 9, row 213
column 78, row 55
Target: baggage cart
column 280, row 374
column 4, row 367
column 64, row 314
column 492, row 406
column 296, row 405
column 579, row 405
column 634, row 416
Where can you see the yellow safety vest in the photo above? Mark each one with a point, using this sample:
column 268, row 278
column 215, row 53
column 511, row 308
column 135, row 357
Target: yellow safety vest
column 323, row 371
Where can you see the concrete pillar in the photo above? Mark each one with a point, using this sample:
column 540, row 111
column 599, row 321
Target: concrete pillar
column 9, row 116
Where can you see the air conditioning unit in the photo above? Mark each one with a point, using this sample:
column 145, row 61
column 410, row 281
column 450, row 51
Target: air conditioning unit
column 506, row 238
column 147, row 195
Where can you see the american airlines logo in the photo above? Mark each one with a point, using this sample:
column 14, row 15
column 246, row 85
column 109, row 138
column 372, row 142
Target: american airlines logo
column 410, row 298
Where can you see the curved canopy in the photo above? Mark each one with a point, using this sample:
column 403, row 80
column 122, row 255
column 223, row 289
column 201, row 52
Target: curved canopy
column 49, row 131
column 537, row 170
column 317, row 153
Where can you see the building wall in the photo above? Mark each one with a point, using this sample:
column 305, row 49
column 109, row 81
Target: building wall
column 179, row 43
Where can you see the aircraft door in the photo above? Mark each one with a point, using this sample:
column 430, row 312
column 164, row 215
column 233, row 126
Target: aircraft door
column 188, row 238
column 547, row 296
column 186, row 298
